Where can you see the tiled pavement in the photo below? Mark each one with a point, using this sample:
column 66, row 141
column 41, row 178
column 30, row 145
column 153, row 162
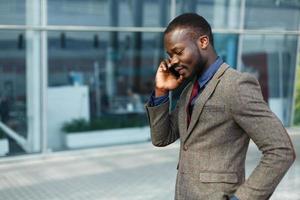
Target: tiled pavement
column 127, row 172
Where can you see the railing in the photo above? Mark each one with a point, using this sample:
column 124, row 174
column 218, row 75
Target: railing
column 15, row 136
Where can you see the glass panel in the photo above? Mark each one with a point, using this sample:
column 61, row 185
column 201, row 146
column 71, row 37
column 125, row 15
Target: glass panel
column 272, row 59
column 226, row 46
column 270, row 14
column 108, row 12
column 13, row 88
column 96, row 80
column 12, row 12
column 297, row 95
column 219, row 13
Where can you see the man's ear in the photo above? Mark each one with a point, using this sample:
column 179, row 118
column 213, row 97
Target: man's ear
column 203, row 41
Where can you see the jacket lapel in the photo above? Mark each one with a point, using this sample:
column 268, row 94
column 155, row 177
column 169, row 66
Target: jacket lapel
column 201, row 100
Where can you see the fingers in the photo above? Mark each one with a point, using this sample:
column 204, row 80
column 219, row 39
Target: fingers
column 168, row 62
column 164, row 65
column 180, row 79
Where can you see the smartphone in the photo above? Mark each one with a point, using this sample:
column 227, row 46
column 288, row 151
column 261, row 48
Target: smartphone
column 173, row 71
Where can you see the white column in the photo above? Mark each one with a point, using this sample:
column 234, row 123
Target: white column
column 44, row 79
column 33, row 80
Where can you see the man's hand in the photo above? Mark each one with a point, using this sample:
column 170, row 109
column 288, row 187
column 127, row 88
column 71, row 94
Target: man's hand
column 165, row 80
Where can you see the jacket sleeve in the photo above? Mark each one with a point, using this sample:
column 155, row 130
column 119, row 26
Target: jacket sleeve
column 253, row 115
column 163, row 125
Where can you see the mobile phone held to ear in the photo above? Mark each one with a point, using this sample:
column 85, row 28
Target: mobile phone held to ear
column 173, row 71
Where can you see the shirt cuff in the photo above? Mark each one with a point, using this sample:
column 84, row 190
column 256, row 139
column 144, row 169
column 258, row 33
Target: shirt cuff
column 155, row 101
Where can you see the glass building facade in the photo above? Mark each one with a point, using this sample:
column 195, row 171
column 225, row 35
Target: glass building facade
column 85, row 68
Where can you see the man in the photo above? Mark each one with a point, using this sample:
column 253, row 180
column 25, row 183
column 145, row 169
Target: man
column 217, row 114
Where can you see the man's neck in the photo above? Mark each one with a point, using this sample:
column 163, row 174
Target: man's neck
column 209, row 62
column 211, row 59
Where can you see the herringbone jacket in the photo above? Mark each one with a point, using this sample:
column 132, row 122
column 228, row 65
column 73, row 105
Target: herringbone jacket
column 228, row 113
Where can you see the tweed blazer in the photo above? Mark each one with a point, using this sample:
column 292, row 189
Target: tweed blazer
column 227, row 114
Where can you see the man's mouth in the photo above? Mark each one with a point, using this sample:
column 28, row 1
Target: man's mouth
column 180, row 69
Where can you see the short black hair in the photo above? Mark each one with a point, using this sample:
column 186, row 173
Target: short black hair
column 197, row 23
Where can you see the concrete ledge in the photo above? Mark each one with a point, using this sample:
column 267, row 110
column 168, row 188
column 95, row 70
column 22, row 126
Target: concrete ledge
column 107, row 137
column 295, row 130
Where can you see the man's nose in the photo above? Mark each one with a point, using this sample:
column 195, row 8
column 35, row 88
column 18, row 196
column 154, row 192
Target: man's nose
column 174, row 60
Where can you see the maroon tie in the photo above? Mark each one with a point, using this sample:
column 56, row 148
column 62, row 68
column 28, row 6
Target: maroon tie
column 194, row 94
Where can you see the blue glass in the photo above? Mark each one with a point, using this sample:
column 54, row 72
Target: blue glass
column 108, row 77
column 272, row 59
column 12, row 12
column 13, row 102
column 270, row 14
column 226, row 46
column 137, row 13
column 220, row 14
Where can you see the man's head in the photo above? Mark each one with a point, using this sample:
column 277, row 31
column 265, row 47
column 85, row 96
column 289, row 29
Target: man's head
column 189, row 43
column 196, row 24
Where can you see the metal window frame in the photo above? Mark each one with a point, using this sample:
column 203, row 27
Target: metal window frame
column 44, row 78
column 240, row 31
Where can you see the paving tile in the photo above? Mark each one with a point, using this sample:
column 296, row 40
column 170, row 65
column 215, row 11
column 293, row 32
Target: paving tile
column 127, row 172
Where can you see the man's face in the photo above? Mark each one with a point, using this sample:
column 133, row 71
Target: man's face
column 184, row 52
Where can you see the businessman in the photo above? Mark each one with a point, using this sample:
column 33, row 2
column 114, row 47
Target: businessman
column 217, row 114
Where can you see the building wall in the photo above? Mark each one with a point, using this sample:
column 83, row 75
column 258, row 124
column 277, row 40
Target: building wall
column 113, row 48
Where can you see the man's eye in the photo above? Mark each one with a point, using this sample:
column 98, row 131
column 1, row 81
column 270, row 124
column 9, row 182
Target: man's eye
column 179, row 52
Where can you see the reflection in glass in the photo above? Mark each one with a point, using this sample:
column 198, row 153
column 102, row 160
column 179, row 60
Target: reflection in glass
column 98, row 81
column 109, row 12
column 219, row 13
column 226, row 47
column 12, row 12
column 270, row 14
column 13, row 86
column 272, row 59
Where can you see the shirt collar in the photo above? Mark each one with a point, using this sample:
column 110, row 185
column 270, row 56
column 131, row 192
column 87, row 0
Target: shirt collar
column 209, row 73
